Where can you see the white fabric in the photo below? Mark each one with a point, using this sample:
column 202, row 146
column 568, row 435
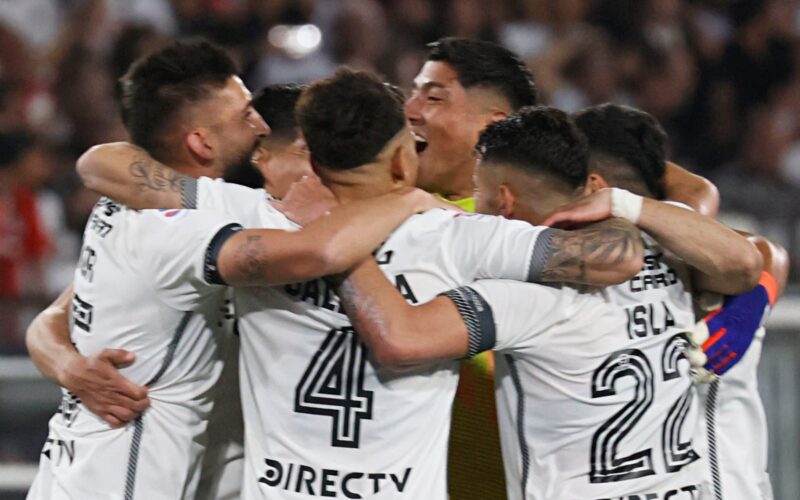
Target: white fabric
column 626, row 204
column 554, row 346
column 140, row 287
column 295, row 338
column 741, row 429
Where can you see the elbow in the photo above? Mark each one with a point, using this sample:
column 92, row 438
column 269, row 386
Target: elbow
column 86, row 167
column 708, row 194
column 747, row 272
column 394, row 356
column 390, row 358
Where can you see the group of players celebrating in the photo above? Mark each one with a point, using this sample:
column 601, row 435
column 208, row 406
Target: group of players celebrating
column 305, row 340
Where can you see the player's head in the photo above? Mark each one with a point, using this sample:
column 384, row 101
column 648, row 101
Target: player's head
column 530, row 163
column 627, row 149
column 282, row 157
column 355, row 129
column 185, row 105
column 463, row 86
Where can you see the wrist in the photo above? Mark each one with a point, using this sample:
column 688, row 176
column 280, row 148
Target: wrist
column 626, row 205
column 66, row 368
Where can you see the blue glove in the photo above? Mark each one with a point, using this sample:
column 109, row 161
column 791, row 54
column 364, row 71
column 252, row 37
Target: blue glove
column 732, row 327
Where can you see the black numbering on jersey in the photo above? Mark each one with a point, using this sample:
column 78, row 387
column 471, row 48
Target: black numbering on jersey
column 676, row 453
column 606, row 465
column 333, row 386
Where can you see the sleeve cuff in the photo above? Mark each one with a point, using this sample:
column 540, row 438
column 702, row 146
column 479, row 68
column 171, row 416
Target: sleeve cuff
column 210, row 268
column 542, row 251
column 477, row 316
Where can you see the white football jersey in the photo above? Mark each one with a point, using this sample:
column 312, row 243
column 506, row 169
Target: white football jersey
column 594, row 399
column 321, row 418
column 735, row 427
column 142, row 285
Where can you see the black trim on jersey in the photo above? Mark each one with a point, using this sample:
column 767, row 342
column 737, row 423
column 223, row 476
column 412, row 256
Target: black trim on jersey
column 711, row 432
column 210, row 269
column 133, row 458
column 523, row 443
column 138, row 424
column 542, row 251
column 176, row 337
column 189, row 193
column 477, row 316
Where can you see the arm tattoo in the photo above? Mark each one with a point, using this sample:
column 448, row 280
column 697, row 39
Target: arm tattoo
column 249, row 255
column 601, row 245
column 150, row 175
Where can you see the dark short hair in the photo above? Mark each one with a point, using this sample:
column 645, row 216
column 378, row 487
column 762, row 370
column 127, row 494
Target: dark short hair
column 348, row 118
column 276, row 103
column 537, row 140
column 487, row 65
column 632, row 140
column 158, row 86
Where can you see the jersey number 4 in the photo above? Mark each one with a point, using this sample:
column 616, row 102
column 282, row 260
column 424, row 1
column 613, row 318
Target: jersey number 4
column 333, row 386
column 606, row 464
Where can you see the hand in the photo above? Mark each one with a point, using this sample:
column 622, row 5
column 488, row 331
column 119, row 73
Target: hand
column 726, row 333
column 101, row 388
column 592, row 208
column 306, row 201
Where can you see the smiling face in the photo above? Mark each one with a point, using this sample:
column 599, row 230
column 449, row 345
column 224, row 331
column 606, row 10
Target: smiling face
column 450, row 118
column 235, row 127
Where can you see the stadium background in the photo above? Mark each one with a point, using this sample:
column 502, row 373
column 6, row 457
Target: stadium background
column 722, row 76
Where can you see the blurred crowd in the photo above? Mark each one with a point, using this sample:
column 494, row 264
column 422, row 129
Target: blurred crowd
column 723, row 76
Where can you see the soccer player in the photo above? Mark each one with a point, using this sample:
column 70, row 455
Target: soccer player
column 464, row 86
column 593, row 398
column 282, row 158
column 734, row 421
column 186, row 105
column 321, row 418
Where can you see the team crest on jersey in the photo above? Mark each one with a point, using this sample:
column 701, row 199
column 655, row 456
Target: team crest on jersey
column 172, row 213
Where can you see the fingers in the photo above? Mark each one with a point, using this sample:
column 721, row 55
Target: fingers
column 121, row 413
column 120, row 358
column 112, row 420
column 278, row 205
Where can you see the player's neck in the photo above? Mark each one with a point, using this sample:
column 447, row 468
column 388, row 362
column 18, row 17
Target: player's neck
column 346, row 193
column 458, row 184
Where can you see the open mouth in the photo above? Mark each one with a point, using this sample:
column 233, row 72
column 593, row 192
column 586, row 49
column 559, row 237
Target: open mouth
column 421, row 143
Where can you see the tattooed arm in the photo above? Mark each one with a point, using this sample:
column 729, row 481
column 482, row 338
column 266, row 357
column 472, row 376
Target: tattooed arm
column 129, row 175
column 604, row 253
column 331, row 244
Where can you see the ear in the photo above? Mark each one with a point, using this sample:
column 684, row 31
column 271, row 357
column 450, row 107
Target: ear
column 595, row 182
column 496, row 115
column 399, row 167
column 506, row 201
column 199, row 146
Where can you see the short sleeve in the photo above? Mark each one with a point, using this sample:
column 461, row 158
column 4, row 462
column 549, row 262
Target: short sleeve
column 507, row 315
column 250, row 207
column 484, row 246
column 178, row 250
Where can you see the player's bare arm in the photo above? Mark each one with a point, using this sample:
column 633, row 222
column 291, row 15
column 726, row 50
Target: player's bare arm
column 608, row 252
column 691, row 189
column 94, row 379
column 396, row 333
column 400, row 335
column 128, row 174
column 331, row 244
column 725, row 262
